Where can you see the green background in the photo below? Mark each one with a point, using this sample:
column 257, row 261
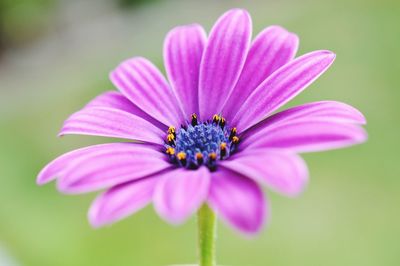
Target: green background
column 55, row 56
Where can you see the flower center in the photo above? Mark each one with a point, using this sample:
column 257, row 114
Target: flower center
column 204, row 143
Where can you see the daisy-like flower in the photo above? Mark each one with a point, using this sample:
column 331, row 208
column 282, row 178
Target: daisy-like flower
column 206, row 134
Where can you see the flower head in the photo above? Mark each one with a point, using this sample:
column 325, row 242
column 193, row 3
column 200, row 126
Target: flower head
column 208, row 134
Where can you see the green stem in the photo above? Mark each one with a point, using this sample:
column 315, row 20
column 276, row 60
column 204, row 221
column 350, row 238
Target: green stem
column 206, row 222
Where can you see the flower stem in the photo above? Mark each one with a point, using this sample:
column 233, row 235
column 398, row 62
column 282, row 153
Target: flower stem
column 206, row 222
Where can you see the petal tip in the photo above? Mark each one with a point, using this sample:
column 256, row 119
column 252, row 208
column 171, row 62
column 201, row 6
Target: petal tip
column 294, row 38
column 93, row 217
column 187, row 26
column 112, row 76
column 170, row 217
column 44, row 177
column 62, row 187
column 360, row 116
column 65, row 187
column 329, row 54
column 276, row 28
column 321, row 54
column 252, row 230
column 363, row 136
column 361, row 119
column 240, row 12
column 237, row 10
column 40, row 180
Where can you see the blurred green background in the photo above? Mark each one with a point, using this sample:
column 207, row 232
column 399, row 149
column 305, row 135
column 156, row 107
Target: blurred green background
column 56, row 55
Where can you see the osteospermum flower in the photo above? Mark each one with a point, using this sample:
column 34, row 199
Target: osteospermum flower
column 207, row 134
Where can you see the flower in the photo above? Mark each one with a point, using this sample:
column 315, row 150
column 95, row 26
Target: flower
column 208, row 134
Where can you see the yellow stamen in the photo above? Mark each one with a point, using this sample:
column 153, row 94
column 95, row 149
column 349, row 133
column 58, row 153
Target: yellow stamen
column 170, row 151
column 170, row 137
column 223, row 146
column 194, row 120
column 223, row 150
column 171, row 130
column 233, row 133
column 212, row 156
column 222, row 122
column 235, row 139
column 199, row 158
column 181, row 156
column 216, row 118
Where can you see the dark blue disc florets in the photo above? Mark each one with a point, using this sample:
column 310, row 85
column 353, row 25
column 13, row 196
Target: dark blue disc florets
column 199, row 144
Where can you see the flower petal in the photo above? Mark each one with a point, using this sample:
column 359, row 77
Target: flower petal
column 270, row 50
column 183, row 49
column 238, row 200
column 56, row 167
column 121, row 201
column 279, row 170
column 109, row 122
column 180, row 193
column 223, row 60
column 306, row 136
column 283, row 85
column 324, row 110
column 116, row 100
column 143, row 84
column 112, row 166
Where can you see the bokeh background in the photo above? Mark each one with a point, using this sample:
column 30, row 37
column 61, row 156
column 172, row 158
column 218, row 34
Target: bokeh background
column 55, row 55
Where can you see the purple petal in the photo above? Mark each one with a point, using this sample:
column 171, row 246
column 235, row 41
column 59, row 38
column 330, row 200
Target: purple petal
column 306, row 136
column 271, row 49
column 143, row 84
column 223, row 60
column 180, row 193
column 121, row 201
column 109, row 122
column 325, row 110
column 111, row 166
column 283, row 85
column 56, row 167
column 281, row 171
column 183, row 49
column 116, row 100
column 238, row 200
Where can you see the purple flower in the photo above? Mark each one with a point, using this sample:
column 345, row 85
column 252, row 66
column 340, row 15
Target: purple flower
column 208, row 134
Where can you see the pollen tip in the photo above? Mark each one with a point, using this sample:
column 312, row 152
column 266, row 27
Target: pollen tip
column 181, row 156
column 235, row 139
column 216, row 119
column 171, row 130
column 233, row 133
column 223, row 145
column 194, row 119
column 170, row 138
column 170, row 151
column 199, row 158
column 222, row 122
column 212, row 156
